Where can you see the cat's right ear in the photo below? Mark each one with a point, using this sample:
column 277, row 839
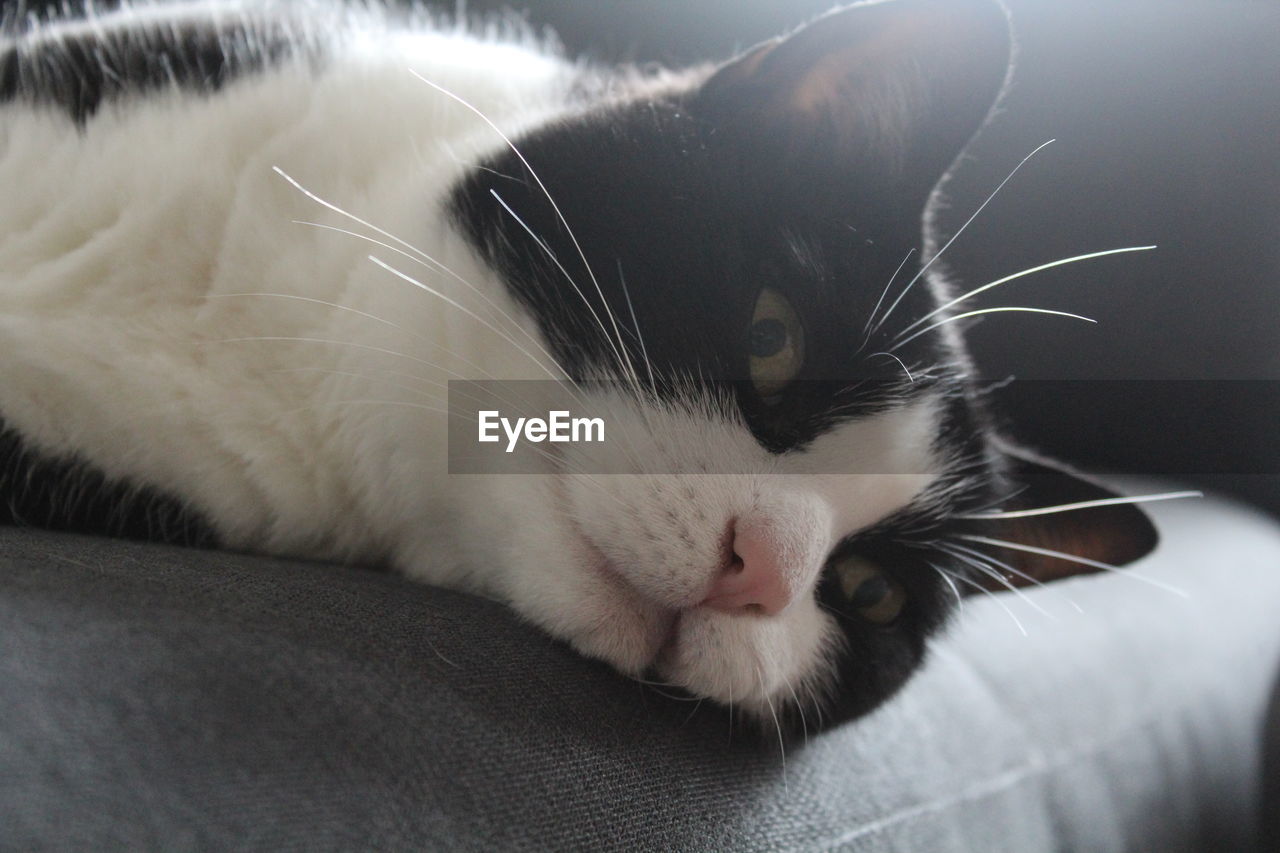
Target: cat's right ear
column 892, row 89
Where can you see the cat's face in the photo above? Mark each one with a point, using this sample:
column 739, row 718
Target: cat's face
column 781, row 522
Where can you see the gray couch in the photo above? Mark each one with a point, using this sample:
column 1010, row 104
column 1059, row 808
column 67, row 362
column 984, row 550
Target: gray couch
column 157, row 698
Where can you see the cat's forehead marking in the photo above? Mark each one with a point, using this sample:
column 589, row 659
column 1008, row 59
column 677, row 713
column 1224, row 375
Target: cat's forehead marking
column 682, row 233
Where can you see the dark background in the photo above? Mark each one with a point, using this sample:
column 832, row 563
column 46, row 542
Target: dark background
column 1167, row 121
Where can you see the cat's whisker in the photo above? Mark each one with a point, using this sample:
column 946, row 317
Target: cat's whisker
column 618, row 346
column 988, row 592
column 369, row 376
column 954, row 589
column 334, row 342
column 982, row 555
column 816, row 703
column 644, row 351
column 436, row 266
column 866, row 327
column 427, row 260
column 689, row 718
column 979, row 562
column 972, row 293
column 311, row 300
column 981, row 311
column 1069, row 507
column 538, row 179
column 341, row 212
column 782, row 743
column 445, row 350
column 799, row 706
column 365, row 374
column 519, row 404
column 467, row 311
column 960, row 231
column 1072, row 558
column 900, row 364
column 657, row 688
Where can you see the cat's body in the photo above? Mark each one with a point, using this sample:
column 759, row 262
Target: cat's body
column 167, row 323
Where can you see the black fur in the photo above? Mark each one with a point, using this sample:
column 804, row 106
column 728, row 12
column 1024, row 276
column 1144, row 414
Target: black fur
column 79, row 74
column 696, row 224
column 67, row 493
column 687, row 203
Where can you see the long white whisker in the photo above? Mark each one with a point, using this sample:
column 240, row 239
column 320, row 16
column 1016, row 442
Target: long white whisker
column 568, row 230
column 972, row 293
column 331, row 206
column 1021, row 628
column 981, row 565
column 299, row 339
column 980, row 311
column 1072, row 558
column 426, row 260
column 782, row 746
column 967, row 223
column 622, row 362
column 377, row 319
column 954, row 589
column 368, row 348
column 644, row 351
column 1048, row 510
column 465, row 310
column 354, row 374
column 900, row 364
column 314, row 301
column 982, row 555
column 804, row 724
column 866, row 327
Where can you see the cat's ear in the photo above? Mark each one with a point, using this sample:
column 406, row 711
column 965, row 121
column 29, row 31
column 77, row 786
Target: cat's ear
column 894, row 88
column 1108, row 535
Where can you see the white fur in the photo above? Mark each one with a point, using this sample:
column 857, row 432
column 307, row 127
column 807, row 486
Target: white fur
column 123, row 338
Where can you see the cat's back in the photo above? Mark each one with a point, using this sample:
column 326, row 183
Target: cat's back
column 147, row 232
column 200, row 100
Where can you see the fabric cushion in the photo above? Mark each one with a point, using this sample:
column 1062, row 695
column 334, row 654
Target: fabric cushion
column 163, row 698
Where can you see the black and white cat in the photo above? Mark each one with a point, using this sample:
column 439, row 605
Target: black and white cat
column 244, row 248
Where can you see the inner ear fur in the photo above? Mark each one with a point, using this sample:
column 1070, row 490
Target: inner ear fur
column 1113, row 535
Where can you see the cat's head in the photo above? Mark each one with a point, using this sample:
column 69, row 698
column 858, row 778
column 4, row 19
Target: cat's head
column 804, row 482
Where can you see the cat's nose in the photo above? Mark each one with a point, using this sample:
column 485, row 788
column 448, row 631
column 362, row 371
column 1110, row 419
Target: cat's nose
column 754, row 576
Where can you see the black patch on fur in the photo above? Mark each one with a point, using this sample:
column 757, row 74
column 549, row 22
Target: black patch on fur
column 79, row 73
column 67, row 493
column 696, row 222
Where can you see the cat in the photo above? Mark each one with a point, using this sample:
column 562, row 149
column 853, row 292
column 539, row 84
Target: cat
column 245, row 248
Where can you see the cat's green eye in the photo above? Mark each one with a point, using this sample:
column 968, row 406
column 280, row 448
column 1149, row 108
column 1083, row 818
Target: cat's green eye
column 775, row 343
column 868, row 591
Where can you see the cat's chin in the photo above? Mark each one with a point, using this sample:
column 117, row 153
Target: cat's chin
column 624, row 628
column 764, row 665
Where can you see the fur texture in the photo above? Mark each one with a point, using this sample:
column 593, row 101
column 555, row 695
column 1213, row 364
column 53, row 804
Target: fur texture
column 168, row 324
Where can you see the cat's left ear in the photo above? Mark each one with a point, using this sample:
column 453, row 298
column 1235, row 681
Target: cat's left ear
column 1033, row 518
column 889, row 90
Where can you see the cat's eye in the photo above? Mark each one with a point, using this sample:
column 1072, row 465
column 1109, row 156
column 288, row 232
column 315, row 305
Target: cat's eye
column 775, row 343
column 868, row 591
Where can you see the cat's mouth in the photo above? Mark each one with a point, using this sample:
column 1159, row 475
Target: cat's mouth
column 646, row 629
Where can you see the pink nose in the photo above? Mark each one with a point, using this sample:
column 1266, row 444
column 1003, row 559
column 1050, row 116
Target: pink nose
column 754, row 577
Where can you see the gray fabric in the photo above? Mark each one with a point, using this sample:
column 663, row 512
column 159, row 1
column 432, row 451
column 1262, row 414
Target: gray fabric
column 159, row 698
